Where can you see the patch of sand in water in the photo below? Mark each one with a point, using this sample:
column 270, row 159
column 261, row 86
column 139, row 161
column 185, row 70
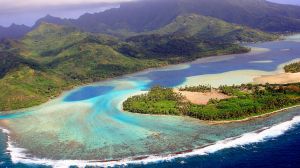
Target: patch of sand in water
column 227, row 78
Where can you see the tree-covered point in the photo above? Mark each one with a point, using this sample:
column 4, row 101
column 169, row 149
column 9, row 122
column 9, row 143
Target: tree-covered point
column 247, row 100
column 158, row 100
column 292, row 68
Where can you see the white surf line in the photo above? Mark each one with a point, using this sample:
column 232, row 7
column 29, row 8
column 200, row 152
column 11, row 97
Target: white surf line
column 18, row 154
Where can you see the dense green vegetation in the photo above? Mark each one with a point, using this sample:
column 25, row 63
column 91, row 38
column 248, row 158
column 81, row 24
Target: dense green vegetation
column 246, row 101
column 25, row 87
column 158, row 101
column 62, row 57
column 173, row 49
column 192, row 36
column 198, row 27
column 54, row 58
column 292, row 68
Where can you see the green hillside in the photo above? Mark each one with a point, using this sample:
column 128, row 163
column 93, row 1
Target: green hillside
column 25, row 87
column 54, row 58
column 211, row 28
column 193, row 36
column 48, row 40
column 77, row 55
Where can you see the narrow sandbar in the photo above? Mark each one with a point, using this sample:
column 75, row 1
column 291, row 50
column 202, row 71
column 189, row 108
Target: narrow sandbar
column 282, row 78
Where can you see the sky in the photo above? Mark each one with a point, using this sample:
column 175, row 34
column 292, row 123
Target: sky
column 294, row 2
column 28, row 11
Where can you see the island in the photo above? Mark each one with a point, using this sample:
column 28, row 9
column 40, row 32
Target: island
column 226, row 102
column 235, row 102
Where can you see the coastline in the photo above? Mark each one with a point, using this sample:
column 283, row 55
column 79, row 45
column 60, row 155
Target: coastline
column 280, row 78
column 218, row 122
column 251, row 117
column 254, row 50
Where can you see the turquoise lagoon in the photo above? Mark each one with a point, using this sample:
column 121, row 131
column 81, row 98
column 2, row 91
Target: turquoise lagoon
column 87, row 126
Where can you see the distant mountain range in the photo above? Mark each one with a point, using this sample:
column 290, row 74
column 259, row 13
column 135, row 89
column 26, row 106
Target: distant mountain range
column 148, row 15
column 14, row 31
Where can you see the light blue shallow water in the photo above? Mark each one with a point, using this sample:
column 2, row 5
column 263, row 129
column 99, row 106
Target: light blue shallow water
column 87, row 123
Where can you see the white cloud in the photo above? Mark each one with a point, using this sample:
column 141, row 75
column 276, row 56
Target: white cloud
column 17, row 4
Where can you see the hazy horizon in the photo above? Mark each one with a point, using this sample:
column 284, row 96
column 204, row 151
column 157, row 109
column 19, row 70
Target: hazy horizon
column 18, row 12
column 27, row 13
column 293, row 2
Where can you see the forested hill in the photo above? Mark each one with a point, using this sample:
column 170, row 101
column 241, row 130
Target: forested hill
column 209, row 28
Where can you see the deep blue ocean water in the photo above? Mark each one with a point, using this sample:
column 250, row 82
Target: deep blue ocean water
column 279, row 152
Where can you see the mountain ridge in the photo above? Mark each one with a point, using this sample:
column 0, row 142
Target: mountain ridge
column 142, row 16
column 14, row 31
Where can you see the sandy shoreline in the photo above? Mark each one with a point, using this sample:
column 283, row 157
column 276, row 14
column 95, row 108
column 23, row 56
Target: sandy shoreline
column 281, row 78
